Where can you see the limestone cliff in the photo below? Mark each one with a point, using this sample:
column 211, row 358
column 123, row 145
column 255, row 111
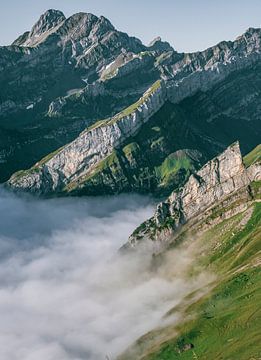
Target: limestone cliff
column 201, row 71
column 222, row 177
column 93, row 145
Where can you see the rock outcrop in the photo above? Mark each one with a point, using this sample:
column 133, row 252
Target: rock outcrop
column 201, row 71
column 160, row 46
column 48, row 22
column 96, row 143
column 218, row 179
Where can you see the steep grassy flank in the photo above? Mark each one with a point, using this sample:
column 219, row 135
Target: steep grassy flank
column 225, row 323
column 227, row 326
column 172, row 165
column 129, row 110
column 256, row 189
column 253, row 156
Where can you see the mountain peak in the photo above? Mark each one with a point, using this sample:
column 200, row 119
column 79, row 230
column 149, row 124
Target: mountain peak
column 158, row 45
column 49, row 20
column 252, row 30
column 154, row 41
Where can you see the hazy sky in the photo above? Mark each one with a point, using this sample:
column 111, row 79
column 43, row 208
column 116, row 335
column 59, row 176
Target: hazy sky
column 188, row 25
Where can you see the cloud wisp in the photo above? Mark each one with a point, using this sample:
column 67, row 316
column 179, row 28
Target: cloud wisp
column 64, row 291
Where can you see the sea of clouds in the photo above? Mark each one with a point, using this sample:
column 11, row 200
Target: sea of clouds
column 65, row 292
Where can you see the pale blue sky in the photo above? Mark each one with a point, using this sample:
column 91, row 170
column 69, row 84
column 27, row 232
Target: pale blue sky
column 189, row 25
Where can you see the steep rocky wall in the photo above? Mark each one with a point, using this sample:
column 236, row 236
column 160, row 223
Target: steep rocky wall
column 219, row 178
column 92, row 146
column 205, row 77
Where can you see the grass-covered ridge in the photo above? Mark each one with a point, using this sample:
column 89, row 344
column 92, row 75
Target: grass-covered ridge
column 253, row 157
column 129, row 110
column 172, row 165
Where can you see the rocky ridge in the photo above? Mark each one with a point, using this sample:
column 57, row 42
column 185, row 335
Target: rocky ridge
column 201, row 71
column 102, row 72
column 48, row 23
column 78, row 158
column 224, row 176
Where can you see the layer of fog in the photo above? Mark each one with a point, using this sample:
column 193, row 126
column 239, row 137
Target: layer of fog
column 64, row 291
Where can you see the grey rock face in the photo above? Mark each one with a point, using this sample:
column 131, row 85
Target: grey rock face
column 48, row 21
column 218, row 179
column 41, row 67
column 93, row 145
column 201, row 71
column 21, row 39
column 78, row 46
column 127, row 64
column 160, row 46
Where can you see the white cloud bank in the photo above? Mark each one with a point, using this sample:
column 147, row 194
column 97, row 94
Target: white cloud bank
column 65, row 294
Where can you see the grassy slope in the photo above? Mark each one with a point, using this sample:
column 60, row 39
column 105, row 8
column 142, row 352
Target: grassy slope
column 225, row 323
column 253, row 156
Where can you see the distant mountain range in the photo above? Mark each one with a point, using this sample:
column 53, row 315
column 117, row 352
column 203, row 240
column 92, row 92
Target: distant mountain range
column 90, row 110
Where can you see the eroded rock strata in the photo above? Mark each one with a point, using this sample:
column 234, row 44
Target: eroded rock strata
column 224, row 176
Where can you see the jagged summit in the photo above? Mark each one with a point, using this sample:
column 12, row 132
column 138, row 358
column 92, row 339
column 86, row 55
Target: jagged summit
column 158, row 38
column 50, row 19
column 106, row 21
column 75, row 27
column 249, row 32
column 158, row 45
column 47, row 23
